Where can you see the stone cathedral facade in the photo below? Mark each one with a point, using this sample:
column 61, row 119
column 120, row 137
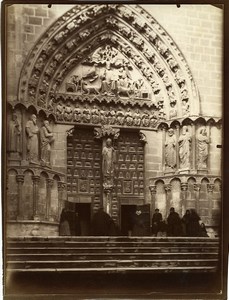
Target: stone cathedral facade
column 112, row 105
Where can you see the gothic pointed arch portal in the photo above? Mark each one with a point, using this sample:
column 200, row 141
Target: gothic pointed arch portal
column 108, row 54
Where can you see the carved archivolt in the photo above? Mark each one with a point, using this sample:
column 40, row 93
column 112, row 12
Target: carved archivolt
column 75, row 56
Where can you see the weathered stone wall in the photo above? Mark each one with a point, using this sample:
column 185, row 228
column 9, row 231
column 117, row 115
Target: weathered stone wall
column 25, row 23
column 197, row 31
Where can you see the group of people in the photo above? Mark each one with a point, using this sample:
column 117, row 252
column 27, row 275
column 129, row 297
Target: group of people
column 101, row 225
column 189, row 225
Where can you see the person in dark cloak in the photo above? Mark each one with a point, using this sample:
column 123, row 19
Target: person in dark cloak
column 174, row 223
column 64, row 228
column 70, row 215
column 194, row 223
column 139, row 228
column 101, row 223
column 203, row 231
column 156, row 222
column 186, row 223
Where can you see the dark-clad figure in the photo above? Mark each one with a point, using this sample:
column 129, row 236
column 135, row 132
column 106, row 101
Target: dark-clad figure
column 64, row 228
column 194, row 223
column 203, row 231
column 174, row 223
column 156, row 222
column 139, row 228
column 186, row 223
column 101, row 223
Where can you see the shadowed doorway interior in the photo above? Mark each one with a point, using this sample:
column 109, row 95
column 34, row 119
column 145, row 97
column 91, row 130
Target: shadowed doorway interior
column 84, row 215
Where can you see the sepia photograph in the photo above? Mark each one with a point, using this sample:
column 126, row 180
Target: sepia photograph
column 113, row 168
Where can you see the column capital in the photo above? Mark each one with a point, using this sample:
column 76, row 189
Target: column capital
column 36, row 179
column 210, row 187
column 49, row 182
column 61, row 185
column 20, row 178
column 197, row 186
column 184, row 186
column 168, row 187
column 153, row 189
column 107, row 188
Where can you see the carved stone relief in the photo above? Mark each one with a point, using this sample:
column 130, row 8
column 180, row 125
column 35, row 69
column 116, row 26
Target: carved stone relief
column 170, row 149
column 202, row 148
column 138, row 38
column 101, row 115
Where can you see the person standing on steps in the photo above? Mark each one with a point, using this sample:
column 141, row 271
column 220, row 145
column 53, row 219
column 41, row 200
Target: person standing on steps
column 174, row 223
column 156, row 222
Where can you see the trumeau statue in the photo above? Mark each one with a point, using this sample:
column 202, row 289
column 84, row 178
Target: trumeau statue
column 14, row 135
column 108, row 154
column 185, row 148
column 46, row 137
column 202, row 146
column 170, row 149
column 32, row 131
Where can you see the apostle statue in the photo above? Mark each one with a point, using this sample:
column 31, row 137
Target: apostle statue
column 32, row 131
column 14, row 135
column 46, row 138
column 170, row 149
column 202, row 146
column 185, row 148
column 108, row 154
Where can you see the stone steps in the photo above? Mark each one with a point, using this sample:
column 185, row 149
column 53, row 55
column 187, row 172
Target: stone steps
column 111, row 254
column 31, row 264
column 107, row 256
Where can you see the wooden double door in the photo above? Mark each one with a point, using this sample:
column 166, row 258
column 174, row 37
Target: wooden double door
column 84, row 170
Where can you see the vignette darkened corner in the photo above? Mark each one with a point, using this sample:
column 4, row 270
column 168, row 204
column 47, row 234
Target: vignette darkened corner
column 113, row 151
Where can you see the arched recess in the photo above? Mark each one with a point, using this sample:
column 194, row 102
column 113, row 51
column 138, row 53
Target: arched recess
column 146, row 52
column 160, row 199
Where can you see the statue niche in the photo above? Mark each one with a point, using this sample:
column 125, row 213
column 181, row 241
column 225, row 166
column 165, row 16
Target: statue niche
column 106, row 72
column 14, row 136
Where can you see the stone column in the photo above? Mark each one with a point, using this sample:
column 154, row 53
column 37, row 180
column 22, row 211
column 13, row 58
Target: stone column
column 193, row 148
column 48, row 199
column 61, row 187
column 24, row 139
column 107, row 199
column 184, row 188
column 36, row 180
column 197, row 187
column 20, row 180
column 153, row 191
column 168, row 197
column 163, row 148
column 104, row 133
column 177, row 146
column 210, row 188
